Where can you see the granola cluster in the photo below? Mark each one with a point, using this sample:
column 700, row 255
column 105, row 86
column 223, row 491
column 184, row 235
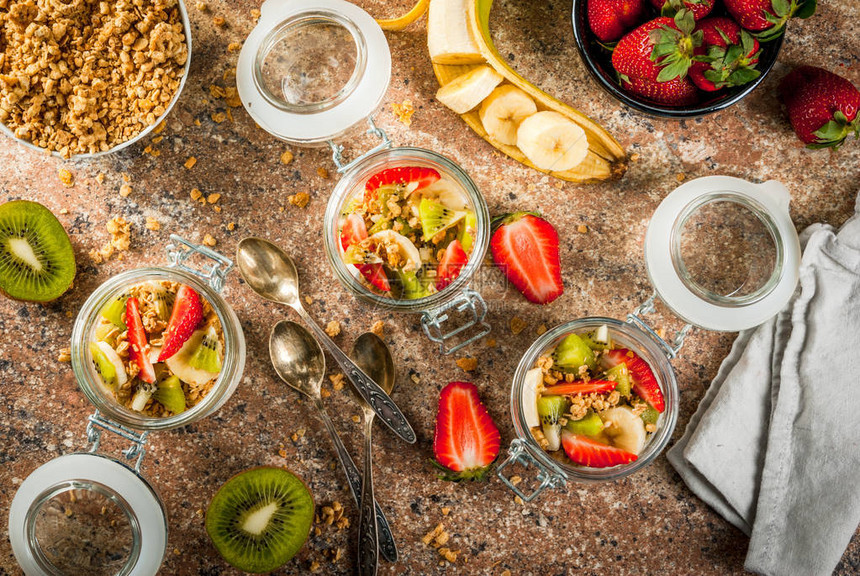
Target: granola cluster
column 82, row 76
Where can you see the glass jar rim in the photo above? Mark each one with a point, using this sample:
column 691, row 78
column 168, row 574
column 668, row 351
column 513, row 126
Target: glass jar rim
column 232, row 365
column 403, row 155
column 665, row 378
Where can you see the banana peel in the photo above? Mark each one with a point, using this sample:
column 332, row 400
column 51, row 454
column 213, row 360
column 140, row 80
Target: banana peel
column 606, row 157
column 397, row 24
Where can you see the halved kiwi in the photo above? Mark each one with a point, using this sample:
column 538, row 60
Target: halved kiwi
column 37, row 263
column 260, row 518
column 436, row 217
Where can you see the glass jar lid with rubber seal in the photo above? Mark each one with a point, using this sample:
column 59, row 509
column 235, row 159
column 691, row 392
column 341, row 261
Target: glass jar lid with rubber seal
column 406, row 228
column 596, row 399
column 152, row 348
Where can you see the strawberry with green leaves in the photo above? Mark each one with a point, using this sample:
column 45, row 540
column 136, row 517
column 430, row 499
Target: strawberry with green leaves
column 652, row 61
column 822, row 106
column 699, row 8
column 610, row 19
column 727, row 56
column 466, row 442
column 768, row 17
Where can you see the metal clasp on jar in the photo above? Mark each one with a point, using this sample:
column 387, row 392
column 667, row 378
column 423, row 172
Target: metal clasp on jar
column 179, row 252
column 518, row 454
column 469, row 305
column 337, row 149
column 647, row 307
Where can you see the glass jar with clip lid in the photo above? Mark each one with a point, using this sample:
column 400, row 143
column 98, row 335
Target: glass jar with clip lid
column 405, row 228
column 90, row 513
column 722, row 254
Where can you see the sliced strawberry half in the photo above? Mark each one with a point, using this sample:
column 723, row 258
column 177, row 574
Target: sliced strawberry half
column 586, row 451
column 580, row 387
column 138, row 349
column 466, row 441
column 451, row 264
column 525, row 247
column 644, row 383
column 352, row 232
column 404, row 176
column 187, row 314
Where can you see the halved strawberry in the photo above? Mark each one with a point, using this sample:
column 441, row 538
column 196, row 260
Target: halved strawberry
column 588, row 452
column 138, row 349
column 187, row 314
column 580, row 387
column 466, row 441
column 452, row 262
column 403, row 175
column 644, row 383
column 352, row 232
column 525, row 247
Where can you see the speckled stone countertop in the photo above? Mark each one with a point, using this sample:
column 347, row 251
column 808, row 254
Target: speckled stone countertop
column 648, row 523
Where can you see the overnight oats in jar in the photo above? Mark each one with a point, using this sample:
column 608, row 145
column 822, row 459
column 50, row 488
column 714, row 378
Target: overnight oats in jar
column 406, row 229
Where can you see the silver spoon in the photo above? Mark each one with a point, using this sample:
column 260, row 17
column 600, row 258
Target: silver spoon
column 270, row 272
column 373, row 356
column 300, row 362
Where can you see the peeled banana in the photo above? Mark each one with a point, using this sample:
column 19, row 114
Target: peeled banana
column 449, row 39
column 502, row 112
column 467, row 91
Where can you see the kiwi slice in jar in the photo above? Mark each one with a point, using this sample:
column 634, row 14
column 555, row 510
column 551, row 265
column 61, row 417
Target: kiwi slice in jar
column 260, row 518
column 37, row 263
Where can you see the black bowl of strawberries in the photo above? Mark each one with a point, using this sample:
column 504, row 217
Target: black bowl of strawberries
column 682, row 58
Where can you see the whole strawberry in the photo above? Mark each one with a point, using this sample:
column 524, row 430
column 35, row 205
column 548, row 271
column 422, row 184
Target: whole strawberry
column 610, row 19
column 822, row 106
column 652, row 61
column 768, row 16
column 699, row 8
column 727, row 57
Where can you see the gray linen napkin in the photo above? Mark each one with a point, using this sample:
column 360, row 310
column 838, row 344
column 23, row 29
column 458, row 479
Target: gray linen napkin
column 775, row 444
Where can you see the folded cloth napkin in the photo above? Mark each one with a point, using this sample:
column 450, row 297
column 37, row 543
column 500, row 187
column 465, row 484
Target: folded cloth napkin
column 775, row 444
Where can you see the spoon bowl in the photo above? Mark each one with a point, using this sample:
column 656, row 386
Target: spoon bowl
column 268, row 270
column 371, row 354
column 297, row 357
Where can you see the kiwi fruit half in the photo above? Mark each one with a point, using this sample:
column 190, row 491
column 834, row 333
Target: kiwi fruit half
column 37, row 263
column 260, row 518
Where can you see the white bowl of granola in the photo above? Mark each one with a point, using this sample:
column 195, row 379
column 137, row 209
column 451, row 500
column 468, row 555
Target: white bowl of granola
column 83, row 91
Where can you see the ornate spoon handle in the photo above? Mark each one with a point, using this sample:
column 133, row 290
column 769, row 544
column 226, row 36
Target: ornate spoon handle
column 368, row 539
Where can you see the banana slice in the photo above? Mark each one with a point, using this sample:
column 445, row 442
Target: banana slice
column 552, row 141
column 503, row 111
column 180, row 365
column 448, row 35
column 448, row 194
column 402, row 245
column 532, row 383
column 468, row 90
column 626, row 430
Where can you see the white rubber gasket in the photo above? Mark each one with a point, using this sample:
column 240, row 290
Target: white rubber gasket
column 316, row 127
column 774, row 198
column 137, row 493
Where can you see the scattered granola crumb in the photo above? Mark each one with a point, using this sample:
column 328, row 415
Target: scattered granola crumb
column 63, row 211
column 356, row 419
column 415, row 378
column 219, row 21
column 202, row 6
column 519, row 500
column 126, row 177
column 190, row 162
column 209, row 240
column 491, row 342
column 430, row 536
column 634, row 157
column 403, row 111
column 378, row 328
column 558, row 184
column 680, row 177
column 231, row 226
column 234, row 46
column 467, row 364
column 309, row 300
column 125, row 190
column 315, row 566
column 66, row 177
column 324, row 392
column 218, row 117
column 582, row 229
column 337, row 381
column 286, row 157
column 152, row 223
column 323, row 173
column 217, row 208
column 541, row 329
column 196, row 194
column 157, row 139
column 300, row 199
column 445, row 511
column 517, row 325
column 255, row 14
column 448, row 554
column 213, row 198
column 516, row 480
column 100, row 178
column 333, row 328
column 120, row 231
column 160, row 128
column 65, row 355
column 506, row 573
